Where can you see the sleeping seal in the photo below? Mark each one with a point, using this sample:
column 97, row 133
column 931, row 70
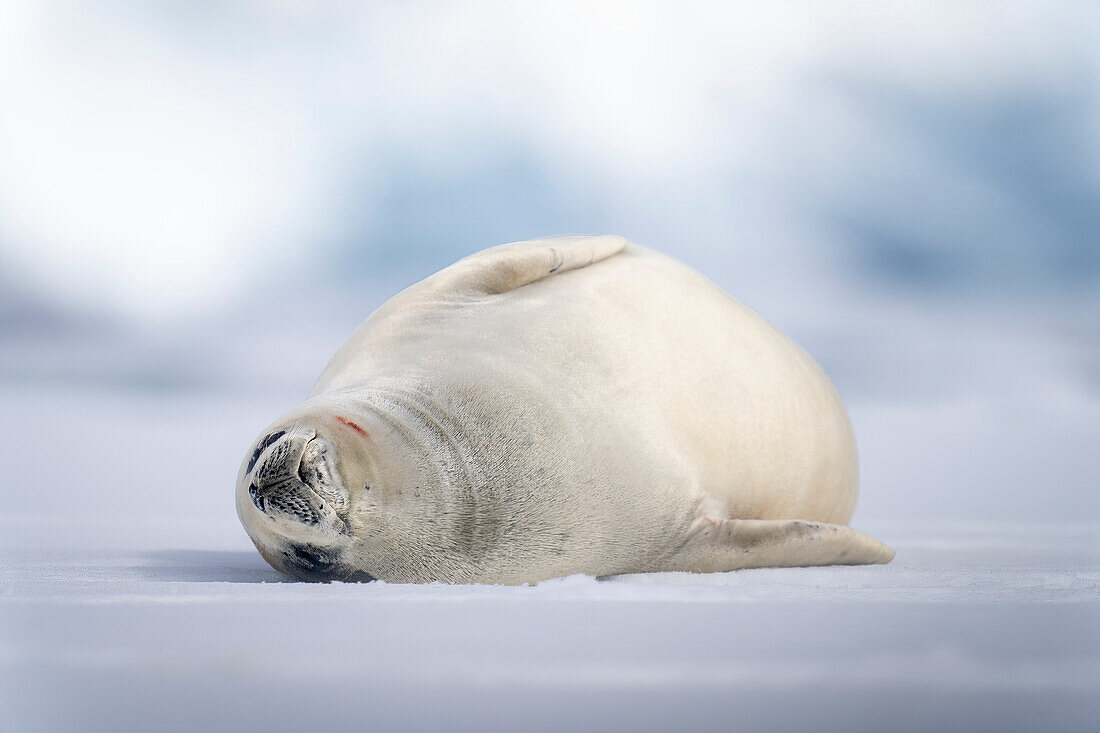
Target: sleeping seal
column 565, row 405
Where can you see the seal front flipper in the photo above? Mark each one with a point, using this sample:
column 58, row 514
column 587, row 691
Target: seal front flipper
column 507, row 267
column 732, row 544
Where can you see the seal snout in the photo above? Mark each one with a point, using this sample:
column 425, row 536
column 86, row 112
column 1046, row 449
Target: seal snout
column 292, row 475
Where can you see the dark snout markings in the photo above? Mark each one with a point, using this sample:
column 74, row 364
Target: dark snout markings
column 257, row 498
column 314, row 565
column 267, row 441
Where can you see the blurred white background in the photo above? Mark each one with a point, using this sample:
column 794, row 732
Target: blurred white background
column 208, row 197
column 200, row 200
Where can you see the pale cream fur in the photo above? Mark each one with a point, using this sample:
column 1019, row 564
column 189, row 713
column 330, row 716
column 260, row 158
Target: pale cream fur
column 574, row 405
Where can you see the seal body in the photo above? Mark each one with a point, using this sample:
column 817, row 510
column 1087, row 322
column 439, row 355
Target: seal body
column 566, row 405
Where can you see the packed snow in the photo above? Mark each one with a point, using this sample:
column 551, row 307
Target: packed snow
column 131, row 599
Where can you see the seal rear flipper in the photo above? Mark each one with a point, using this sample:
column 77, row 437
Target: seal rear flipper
column 733, row 544
column 507, row 267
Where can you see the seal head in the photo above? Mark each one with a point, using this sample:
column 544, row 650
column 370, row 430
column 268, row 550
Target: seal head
column 297, row 505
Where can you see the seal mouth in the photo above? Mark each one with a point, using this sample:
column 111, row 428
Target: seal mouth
column 293, row 477
column 317, row 471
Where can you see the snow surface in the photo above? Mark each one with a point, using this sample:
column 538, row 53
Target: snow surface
column 130, row 599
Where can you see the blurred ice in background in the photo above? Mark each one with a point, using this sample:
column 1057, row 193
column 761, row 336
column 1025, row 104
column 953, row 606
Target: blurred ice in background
column 199, row 201
column 208, row 197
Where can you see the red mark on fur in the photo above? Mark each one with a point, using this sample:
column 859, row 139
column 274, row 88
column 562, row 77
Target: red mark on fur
column 352, row 425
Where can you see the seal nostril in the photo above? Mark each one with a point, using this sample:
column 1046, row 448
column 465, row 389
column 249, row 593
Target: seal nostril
column 257, row 497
